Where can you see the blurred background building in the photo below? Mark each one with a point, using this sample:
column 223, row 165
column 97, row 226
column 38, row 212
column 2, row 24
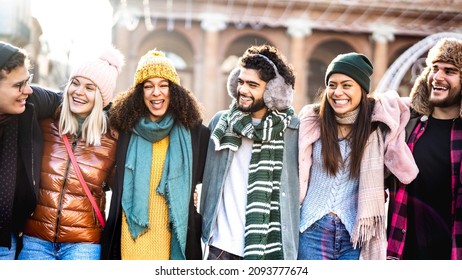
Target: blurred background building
column 206, row 37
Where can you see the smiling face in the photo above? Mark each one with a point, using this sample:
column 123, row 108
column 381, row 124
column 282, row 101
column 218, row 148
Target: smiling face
column 250, row 90
column 14, row 90
column 156, row 97
column 444, row 84
column 81, row 93
column 343, row 93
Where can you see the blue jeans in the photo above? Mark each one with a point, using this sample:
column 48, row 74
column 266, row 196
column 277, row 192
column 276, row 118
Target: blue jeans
column 39, row 249
column 327, row 239
column 9, row 254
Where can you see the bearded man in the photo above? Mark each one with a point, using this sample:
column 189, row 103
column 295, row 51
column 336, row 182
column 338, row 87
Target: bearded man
column 249, row 199
column 425, row 218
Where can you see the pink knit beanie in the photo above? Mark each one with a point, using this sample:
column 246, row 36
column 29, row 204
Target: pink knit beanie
column 102, row 71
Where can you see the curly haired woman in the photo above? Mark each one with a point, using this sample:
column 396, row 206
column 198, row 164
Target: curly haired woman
column 160, row 157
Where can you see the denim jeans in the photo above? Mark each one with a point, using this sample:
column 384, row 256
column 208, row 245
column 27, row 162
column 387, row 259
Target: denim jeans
column 218, row 254
column 327, row 239
column 9, row 254
column 38, row 249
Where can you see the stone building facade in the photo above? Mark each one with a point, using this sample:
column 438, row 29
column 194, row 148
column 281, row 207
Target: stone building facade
column 205, row 38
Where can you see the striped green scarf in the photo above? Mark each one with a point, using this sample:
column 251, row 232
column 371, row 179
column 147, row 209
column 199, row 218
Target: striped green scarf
column 263, row 226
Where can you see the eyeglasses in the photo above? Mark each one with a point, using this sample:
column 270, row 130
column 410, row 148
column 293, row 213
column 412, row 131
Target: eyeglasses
column 23, row 84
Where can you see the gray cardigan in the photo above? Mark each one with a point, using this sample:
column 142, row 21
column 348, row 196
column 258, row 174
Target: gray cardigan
column 217, row 168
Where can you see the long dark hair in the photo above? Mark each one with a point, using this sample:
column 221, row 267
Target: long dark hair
column 360, row 131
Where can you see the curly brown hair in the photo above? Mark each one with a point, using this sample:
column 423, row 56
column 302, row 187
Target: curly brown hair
column 128, row 108
column 250, row 61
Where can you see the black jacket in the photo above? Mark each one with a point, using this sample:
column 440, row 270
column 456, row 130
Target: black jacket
column 40, row 104
column 110, row 241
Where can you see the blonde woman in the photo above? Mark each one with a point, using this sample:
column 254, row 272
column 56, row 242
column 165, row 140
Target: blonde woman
column 65, row 225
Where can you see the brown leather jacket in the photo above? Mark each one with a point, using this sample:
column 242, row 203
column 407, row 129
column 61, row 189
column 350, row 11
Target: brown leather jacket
column 63, row 212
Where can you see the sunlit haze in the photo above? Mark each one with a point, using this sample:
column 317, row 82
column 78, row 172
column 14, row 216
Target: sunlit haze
column 74, row 28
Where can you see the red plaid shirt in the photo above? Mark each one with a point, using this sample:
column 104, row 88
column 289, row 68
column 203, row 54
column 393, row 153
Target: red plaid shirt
column 398, row 223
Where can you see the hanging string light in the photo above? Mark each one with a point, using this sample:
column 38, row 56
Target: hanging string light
column 125, row 18
column 409, row 17
column 147, row 16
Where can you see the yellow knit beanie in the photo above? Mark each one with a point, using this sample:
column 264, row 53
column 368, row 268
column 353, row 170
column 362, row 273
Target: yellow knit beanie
column 155, row 64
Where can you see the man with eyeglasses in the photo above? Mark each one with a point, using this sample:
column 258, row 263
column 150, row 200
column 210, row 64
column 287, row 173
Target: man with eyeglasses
column 20, row 144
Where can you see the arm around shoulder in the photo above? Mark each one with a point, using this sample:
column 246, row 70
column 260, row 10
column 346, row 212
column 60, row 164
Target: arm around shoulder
column 45, row 101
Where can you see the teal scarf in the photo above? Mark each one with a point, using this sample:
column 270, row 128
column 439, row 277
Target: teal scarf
column 263, row 239
column 175, row 184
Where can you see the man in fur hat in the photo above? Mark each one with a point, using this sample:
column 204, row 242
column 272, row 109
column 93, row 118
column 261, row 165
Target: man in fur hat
column 426, row 215
column 20, row 144
column 249, row 198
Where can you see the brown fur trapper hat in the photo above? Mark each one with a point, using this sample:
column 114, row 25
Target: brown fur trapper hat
column 448, row 50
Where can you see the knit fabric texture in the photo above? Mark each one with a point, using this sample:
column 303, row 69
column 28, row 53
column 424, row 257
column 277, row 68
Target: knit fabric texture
column 155, row 64
column 175, row 183
column 103, row 71
column 263, row 239
column 8, row 166
column 6, row 52
column 327, row 193
column 354, row 65
column 154, row 244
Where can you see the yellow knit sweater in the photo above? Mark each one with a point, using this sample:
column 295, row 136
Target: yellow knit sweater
column 155, row 243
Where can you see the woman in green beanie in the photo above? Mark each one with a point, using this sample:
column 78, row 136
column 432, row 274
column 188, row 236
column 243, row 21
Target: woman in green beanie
column 347, row 142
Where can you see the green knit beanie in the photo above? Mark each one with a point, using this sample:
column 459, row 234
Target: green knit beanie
column 354, row 65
